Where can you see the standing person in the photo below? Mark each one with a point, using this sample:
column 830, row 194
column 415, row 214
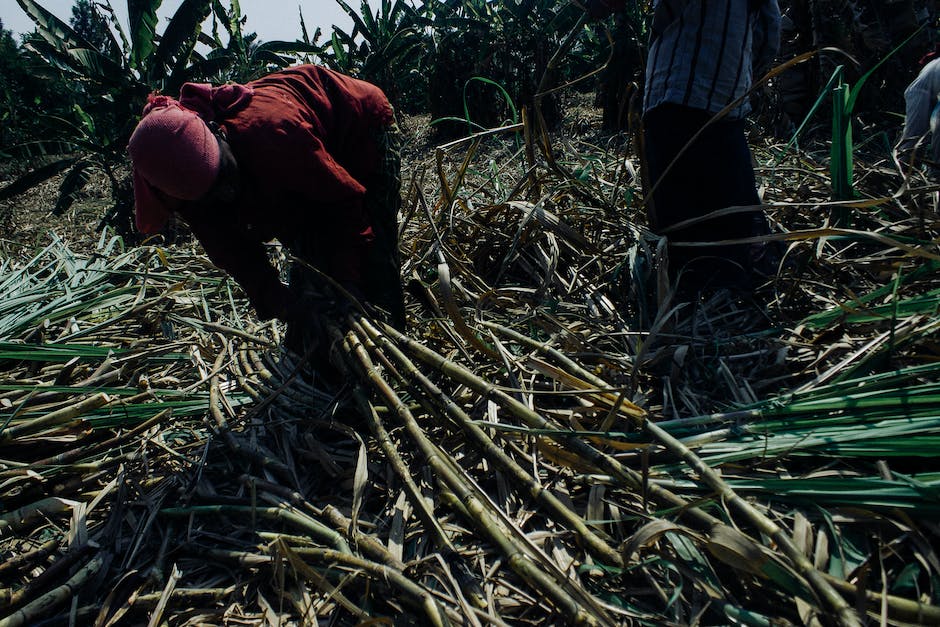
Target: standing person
column 921, row 112
column 703, row 57
column 305, row 155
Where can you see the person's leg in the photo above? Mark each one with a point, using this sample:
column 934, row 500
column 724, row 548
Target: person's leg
column 382, row 281
column 306, row 286
column 712, row 173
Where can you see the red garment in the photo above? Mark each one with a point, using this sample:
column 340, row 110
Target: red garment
column 306, row 150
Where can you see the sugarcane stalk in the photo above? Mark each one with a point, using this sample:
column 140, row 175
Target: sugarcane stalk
column 419, row 596
column 21, row 517
column 215, row 395
column 40, row 607
column 127, row 313
column 899, row 608
column 451, row 613
column 187, row 596
column 54, row 570
column 99, row 380
column 259, row 366
column 290, row 539
column 517, row 558
column 533, row 420
column 598, row 546
column 31, row 558
column 240, row 376
column 370, row 545
column 56, row 417
column 224, row 330
column 438, row 537
column 240, row 558
column 290, row 388
column 108, row 445
column 844, row 613
column 609, row 465
column 291, row 556
column 316, row 529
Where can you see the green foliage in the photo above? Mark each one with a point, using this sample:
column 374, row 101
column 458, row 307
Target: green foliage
column 107, row 72
column 840, row 165
column 384, row 48
column 89, row 24
column 845, row 99
column 24, row 95
column 242, row 57
column 509, row 43
column 106, row 80
column 449, row 56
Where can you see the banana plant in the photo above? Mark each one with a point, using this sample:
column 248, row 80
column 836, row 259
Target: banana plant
column 383, row 47
column 244, row 57
column 107, row 91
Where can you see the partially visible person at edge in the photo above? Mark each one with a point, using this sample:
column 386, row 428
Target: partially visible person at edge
column 703, row 56
column 922, row 115
column 305, row 155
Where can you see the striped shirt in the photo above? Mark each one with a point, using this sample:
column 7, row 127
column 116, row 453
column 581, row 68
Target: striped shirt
column 703, row 53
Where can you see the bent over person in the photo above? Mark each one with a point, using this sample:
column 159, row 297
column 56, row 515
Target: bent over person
column 305, row 155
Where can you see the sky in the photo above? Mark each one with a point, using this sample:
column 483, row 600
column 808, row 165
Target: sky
column 271, row 19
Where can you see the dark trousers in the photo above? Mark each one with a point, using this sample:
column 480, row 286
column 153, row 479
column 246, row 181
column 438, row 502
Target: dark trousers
column 713, row 173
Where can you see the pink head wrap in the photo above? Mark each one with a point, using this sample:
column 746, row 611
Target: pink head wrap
column 173, row 151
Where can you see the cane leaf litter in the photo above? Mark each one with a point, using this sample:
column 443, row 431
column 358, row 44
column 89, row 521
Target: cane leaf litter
column 556, row 439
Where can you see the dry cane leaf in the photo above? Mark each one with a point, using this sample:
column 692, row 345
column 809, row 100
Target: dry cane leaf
column 803, row 534
column 157, row 615
column 736, row 549
column 821, row 555
column 651, row 532
column 123, row 594
column 360, row 480
column 400, row 516
column 554, row 453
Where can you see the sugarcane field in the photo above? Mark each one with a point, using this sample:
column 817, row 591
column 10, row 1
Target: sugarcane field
column 469, row 312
